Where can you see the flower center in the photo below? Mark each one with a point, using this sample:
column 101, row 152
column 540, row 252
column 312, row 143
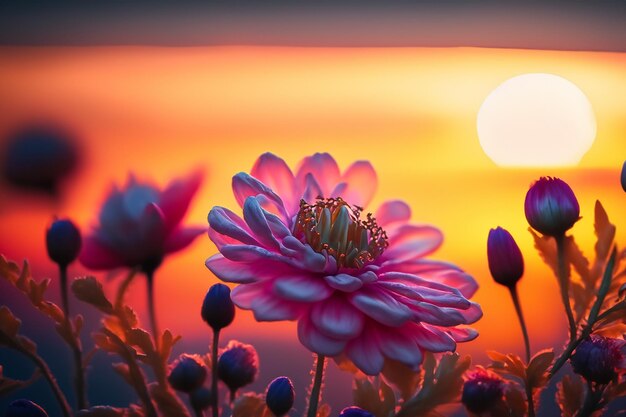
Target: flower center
column 332, row 225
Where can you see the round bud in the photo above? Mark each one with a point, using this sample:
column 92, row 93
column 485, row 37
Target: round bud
column 63, row 241
column 187, row 374
column 597, row 358
column 218, row 310
column 506, row 263
column 25, row 408
column 279, row 396
column 482, row 391
column 238, row 365
column 551, row 207
column 355, row 412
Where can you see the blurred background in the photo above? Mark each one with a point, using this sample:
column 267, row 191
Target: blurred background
column 112, row 89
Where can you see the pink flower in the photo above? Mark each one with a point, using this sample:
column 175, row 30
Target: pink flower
column 358, row 286
column 140, row 224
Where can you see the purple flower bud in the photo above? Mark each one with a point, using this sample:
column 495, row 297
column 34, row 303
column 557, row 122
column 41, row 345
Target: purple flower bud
column 598, row 358
column 25, row 408
column 238, row 365
column 624, row 176
column 279, row 396
column 218, row 309
column 551, row 207
column 200, row 398
column 355, row 412
column 187, row 374
column 506, row 263
column 482, row 391
column 63, row 242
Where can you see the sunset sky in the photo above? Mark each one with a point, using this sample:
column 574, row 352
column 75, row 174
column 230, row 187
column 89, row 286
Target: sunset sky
column 161, row 112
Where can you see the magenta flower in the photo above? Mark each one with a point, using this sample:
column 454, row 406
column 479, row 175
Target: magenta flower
column 140, row 224
column 358, row 286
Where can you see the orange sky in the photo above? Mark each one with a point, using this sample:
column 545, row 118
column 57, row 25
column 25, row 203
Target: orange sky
column 411, row 111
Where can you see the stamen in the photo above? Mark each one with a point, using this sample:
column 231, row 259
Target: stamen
column 332, row 225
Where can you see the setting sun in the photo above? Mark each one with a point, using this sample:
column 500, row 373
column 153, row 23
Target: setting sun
column 536, row 120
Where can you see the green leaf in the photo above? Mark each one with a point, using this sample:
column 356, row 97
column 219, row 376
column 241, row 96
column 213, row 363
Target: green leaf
column 605, row 232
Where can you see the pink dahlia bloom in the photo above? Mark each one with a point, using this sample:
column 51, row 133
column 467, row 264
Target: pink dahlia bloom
column 140, row 224
column 359, row 286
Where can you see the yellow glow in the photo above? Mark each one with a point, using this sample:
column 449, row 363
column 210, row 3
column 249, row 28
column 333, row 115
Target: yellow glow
column 536, row 120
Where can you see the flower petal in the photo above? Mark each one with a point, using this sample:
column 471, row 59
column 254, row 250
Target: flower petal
column 305, row 289
column 264, row 305
column 254, row 216
column 366, row 354
column 344, row 282
column 240, row 272
column 95, row 255
column 274, row 172
column 182, row 237
column 361, row 183
column 316, row 341
column 381, row 307
column 177, row 196
column 248, row 253
column 324, row 170
column 245, row 186
column 392, row 211
column 312, row 190
column 432, row 339
column 336, row 318
column 225, row 222
column 462, row 334
column 413, row 241
column 400, row 347
column 429, row 295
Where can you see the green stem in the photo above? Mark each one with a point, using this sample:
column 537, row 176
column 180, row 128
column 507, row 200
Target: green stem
column 79, row 372
column 317, row 386
column 522, row 323
column 214, row 387
column 151, row 310
column 564, row 281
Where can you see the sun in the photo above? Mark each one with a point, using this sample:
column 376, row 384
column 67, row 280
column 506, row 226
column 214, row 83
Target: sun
column 534, row 120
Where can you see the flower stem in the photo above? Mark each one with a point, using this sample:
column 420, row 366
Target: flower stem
column 592, row 400
column 564, row 280
column 522, row 323
column 79, row 372
column 214, row 387
column 151, row 311
column 317, row 386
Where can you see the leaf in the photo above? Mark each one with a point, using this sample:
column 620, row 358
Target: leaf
column 89, row 290
column 508, row 365
column 141, row 339
column 537, row 368
column 570, row 395
column 9, row 324
column 403, row 378
column 580, row 263
column 546, row 246
column 8, row 385
column 373, row 395
column 9, row 270
column 323, row 410
column 249, row 405
column 167, row 402
column 124, row 371
column 516, row 402
column 167, row 343
column 605, row 232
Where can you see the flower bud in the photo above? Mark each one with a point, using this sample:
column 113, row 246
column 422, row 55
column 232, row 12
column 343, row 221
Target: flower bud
column 218, row 309
column 279, row 396
column 624, row 176
column 482, row 391
column 63, row 241
column 25, row 408
column 200, row 398
column 598, row 358
column 187, row 374
column 355, row 412
column 238, row 365
column 506, row 263
column 551, row 207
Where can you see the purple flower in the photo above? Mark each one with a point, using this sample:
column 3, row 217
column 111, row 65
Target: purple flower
column 218, row 310
column 238, row 365
column 140, row 224
column 358, row 284
column 63, row 242
column 599, row 359
column 188, row 373
column 506, row 263
column 355, row 412
column 551, row 207
column 279, row 396
column 25, row 408
column 482, row 390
